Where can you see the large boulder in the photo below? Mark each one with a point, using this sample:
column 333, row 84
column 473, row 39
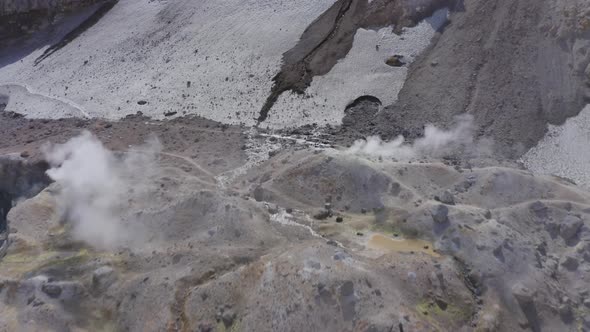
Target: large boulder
column 569, row 227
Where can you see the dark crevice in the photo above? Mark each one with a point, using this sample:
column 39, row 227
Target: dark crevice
column 5, row 206
column 361, row 99
column 77, row 31
column 3, row 102
column 18, row 179
column 330, row 37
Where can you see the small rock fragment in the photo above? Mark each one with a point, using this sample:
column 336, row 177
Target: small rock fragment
column 103, row 277
column 539, row 209
column 447, row 198
column 499, row 254
column 52, row 290
column 565, row 312
column 322, row 215
column 347, row 300
column 258, row 194
column 441, row 214
column 569, row 227
column 570, row 262
column 522, row 293
column 226, row 315
column 395, row 61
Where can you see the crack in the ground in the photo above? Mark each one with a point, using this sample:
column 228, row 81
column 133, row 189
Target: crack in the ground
column 180, row 320
column 472, row 285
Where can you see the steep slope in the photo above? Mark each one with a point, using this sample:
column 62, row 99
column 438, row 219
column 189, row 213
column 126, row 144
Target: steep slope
column 515, row 65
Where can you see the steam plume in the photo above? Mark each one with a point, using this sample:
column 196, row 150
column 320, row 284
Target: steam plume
column 436, row 143
column 96, row 185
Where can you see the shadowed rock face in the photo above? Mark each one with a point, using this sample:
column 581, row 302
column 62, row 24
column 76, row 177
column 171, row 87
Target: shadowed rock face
column 18, row 18
column 86, row 24
column 5, row 205
column 3, row 102
column 12, row 7
column 19, row 179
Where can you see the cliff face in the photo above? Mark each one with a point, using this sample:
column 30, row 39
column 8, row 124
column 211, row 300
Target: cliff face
column 21, row 17
column 15, row 7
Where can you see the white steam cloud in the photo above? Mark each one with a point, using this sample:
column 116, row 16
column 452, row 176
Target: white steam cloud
column 97, row 186
column 436, row 143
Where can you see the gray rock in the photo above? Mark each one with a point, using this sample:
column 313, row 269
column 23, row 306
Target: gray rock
column 314, row 264
column 205, row 327
column 551, row 267
column 103, row 277
column 396, row 188
column 340, row 256
column 228, row 317
column 499, row 254
column 552, row 228
column 526, row 300
column 52, row 290
column 570, row 262
column 258, row 194
column 539, row 209
column 71, row 290
column 347, row 288
column 569, row 227
column 447, row 198
column 347, row 300
column 395, row 61
column 565, row 312
column 441, row 214
column 322, row 215
column 523, row 294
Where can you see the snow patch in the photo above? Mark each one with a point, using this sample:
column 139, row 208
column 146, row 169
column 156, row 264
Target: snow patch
column 564, row 150
column 362, row 72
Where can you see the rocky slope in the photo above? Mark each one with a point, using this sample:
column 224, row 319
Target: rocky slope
column 194, row 166
column 313, row 241
column 516, row 66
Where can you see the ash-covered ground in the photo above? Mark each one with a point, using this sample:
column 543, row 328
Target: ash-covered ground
column 331, row 165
